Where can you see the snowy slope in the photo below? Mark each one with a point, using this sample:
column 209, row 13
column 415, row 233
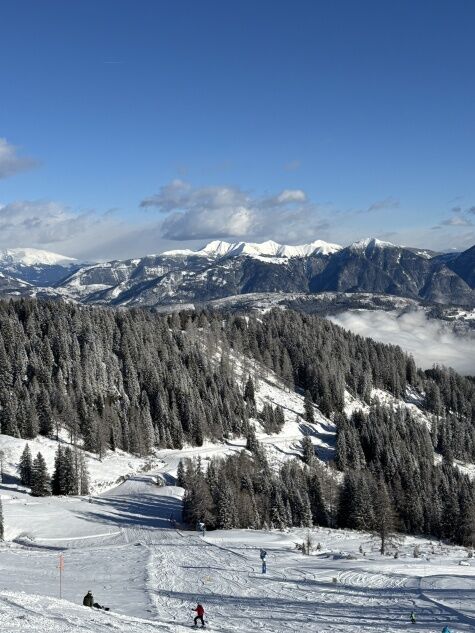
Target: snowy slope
column 152, row 576
column 21, row 611
column 103, row 474
column 121, row 545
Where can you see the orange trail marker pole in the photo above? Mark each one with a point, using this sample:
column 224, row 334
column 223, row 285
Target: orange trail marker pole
column 61, row 569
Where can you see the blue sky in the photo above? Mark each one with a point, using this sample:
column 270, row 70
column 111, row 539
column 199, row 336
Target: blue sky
column 134, row 126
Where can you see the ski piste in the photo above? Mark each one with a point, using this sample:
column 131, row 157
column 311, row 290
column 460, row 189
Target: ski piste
column 150, row 575
column 121, row 544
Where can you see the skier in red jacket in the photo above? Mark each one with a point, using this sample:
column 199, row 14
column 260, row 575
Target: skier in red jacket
column 199, row 615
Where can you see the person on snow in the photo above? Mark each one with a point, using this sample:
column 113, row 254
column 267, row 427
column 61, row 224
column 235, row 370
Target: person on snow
column 199, row 615
column 88, row 600
column 413, row 617
column 446, row 629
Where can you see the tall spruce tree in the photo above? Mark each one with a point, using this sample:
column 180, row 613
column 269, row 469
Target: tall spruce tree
column 25, row 466
column 40, row 479
column 308, row 407
column 384, row 519
column 308, row 451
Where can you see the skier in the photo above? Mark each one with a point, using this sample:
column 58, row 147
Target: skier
column 446, row 629
column 413, row 617
column 199, row 616
column 88, row 600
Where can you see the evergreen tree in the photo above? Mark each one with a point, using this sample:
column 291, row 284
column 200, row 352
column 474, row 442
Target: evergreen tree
column 81, row 474
column 40, row 480
column 25, row 466
column 180, row 475
column 44, row 413
column 249, row 395
column 226, row 508
column 308, row 408
column 57, row 480
column 384, row 520
column 308, row 451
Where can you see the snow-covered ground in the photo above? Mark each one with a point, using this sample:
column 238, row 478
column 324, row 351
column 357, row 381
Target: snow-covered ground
column 120, row 544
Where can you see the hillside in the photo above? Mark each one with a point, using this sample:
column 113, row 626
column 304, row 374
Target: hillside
column 120, row 542
column 139, row 382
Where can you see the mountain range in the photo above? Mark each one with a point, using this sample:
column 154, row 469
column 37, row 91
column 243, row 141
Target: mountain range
column 222, row 269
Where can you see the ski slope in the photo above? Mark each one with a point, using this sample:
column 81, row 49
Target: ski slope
column 121, row 546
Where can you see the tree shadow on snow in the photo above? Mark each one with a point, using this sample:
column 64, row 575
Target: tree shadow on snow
column 147, row 510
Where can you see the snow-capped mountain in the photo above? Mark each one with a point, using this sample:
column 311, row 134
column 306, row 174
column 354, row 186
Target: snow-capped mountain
column 223, row 269
column 370, row 243
column 37, row 267
column 219, row 249
column 34, row 257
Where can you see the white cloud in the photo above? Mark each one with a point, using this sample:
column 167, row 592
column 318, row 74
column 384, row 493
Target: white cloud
column 291, row 195
column 10, row 162
column 221, row 212
column 430, row 341
column 457, row 220
column 47, row 224
column 382, row 205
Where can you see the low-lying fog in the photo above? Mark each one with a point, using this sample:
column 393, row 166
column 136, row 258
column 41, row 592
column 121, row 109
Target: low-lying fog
column 429, row 341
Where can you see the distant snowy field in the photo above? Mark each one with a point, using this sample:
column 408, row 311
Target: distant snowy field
column 120, row 544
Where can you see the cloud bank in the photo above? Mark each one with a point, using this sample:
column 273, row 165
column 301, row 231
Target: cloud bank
column 52, row 225
column 222, row 212
column 10, row 162
column 429, row 341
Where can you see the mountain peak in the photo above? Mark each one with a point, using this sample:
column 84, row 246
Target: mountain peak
column 269, row 248
column 370, row 242
column 34, row 257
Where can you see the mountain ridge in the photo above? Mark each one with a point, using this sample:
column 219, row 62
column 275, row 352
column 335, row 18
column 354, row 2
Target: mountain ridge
column 222, row 269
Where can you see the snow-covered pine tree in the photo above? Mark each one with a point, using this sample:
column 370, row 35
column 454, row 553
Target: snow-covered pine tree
column 57, row 480
column 384, row 519
column 82, row 475
column 250, row 396
column 40, row 480
column 25, row 466
column 180, row 474
column 252, row 443
column 226, row 507
column 277, row 510
column 308, row 408
column 45, row 415
column 308, row 451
